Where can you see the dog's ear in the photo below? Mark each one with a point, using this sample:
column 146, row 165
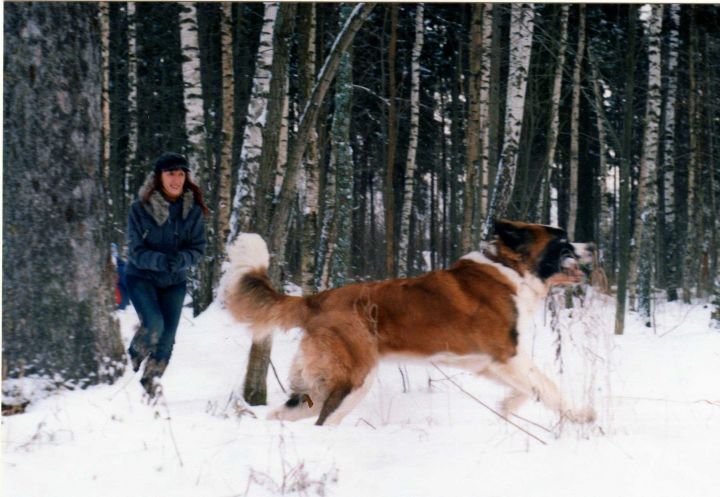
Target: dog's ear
column 513, row 235
column 556, row 232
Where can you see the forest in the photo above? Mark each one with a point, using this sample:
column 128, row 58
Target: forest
column 362, row 141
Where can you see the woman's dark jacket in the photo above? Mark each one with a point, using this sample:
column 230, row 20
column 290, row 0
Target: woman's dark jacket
column 158, row 230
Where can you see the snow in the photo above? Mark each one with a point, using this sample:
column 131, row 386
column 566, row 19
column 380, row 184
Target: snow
column 656, row 392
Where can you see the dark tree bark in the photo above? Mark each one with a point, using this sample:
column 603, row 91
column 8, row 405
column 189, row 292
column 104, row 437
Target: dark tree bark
column 57, row 276
column 624, row 227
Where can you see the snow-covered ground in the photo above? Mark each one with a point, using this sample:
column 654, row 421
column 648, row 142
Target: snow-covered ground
column 656, row 391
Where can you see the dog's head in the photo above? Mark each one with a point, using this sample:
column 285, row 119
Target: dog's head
column 544, row 251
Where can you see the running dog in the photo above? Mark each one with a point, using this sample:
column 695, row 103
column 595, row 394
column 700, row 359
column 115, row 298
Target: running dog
column 469, row 316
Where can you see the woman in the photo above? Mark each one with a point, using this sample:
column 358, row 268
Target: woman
column 166, row 235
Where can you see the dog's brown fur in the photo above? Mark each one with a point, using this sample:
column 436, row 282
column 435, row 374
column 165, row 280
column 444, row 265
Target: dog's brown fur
column 466, row 316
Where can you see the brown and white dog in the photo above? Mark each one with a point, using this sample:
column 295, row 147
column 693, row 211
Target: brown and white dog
column 468, row 316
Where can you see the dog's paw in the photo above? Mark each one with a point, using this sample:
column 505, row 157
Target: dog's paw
column 582, row 415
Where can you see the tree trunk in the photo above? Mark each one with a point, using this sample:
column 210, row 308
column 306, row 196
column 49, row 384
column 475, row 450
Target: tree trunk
column 410, row 165
column 668, row 230
column 132, row 99
column 607, row 198
column 625, row 179
column 308, row 68
column 642, row 256
column 244, row 199
column 342, row 156
column 202, row 279
column 486, row 69
column 473, row 128
column 692, row 235
column 553, row 130
column 275, row 114
column 575, row 126
column 228, row 132
column 521, row 35
column 192, row 95
column 58, row 281
column 105, row 41
column 392, row 143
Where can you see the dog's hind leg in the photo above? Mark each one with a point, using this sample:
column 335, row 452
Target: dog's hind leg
column 332, row 403
column 347, row 403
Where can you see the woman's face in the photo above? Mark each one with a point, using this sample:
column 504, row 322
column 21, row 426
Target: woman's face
column 173, row 183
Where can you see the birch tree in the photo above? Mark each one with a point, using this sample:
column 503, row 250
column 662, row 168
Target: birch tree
column 575, row 126
column 553, row 129
column 244, row 198
column 486, row 69
column 192, row 94
column 644, row 232
column 521, row 34
column 196, row 148
column 411, row 163
column 672, row 270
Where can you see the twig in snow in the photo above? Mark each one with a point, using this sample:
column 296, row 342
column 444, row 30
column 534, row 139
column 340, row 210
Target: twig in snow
column 277, row 377
column 499, row 415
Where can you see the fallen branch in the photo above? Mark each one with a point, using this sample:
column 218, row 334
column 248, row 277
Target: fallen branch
column 499, row 415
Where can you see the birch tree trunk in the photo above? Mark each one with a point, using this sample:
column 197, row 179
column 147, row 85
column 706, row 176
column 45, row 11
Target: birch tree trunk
column 192, row 94
column 486, row 66
column 644, row 232
column 552, row 137
column 196, row 151
column 275, row 115
column 521, row 34
column 58, row 281
column 311, row 183
column 575, row 126
column 244, row 198
column 670, row 259
column 411, row 163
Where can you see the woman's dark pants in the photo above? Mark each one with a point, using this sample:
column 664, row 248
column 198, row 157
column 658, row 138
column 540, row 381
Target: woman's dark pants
column 159, row 310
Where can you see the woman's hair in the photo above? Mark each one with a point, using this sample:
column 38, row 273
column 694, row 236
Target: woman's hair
column 189, row 185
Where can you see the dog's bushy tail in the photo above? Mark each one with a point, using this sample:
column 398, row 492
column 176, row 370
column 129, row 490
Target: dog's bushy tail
column 248, row 294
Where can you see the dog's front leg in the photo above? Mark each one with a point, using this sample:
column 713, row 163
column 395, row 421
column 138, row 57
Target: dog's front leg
column 526, row 380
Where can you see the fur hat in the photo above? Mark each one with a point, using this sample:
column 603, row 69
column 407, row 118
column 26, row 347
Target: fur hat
column 169, row 161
